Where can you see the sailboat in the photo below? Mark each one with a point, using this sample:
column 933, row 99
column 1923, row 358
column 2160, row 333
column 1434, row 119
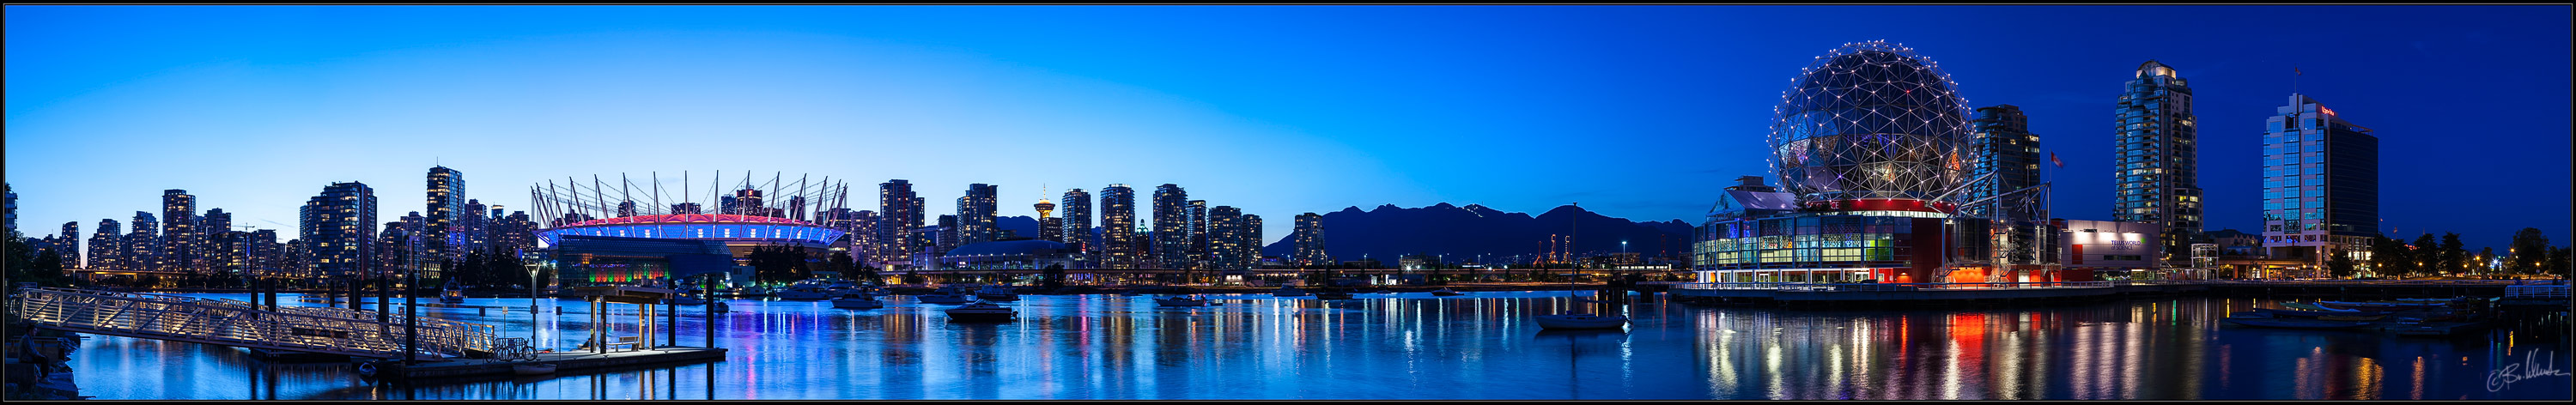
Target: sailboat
column 1574, row 317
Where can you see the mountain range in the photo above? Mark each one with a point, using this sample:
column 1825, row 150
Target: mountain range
column 1475, row 233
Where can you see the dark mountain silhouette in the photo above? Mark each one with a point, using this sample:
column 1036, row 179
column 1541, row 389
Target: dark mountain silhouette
column 1467, row 233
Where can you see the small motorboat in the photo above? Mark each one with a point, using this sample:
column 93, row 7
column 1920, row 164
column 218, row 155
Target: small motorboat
column 2293, row 313
column 855, row 299
column 805, row 291
column 451, row 294
column 1332, row 295
column 1288, row 292
column 1580, row 321
column 1444, row 292
column 2307, row 306
column 947, row 295
column 1385, row 291
column 533, row 369
column 981, row 312
column 1183, row 301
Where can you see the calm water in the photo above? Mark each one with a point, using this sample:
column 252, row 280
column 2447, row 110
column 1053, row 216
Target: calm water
column 1415, row 346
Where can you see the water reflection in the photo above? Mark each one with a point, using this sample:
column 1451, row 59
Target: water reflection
column 1415, row 346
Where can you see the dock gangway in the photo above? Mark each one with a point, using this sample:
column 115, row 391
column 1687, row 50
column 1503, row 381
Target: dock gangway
column 237, row 323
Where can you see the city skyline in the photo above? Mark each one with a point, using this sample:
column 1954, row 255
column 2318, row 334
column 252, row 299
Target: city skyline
column 1482, row 115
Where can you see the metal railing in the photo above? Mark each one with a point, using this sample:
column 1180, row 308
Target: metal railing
column 237, row 323
column 1888, row 286
column 2543, row 291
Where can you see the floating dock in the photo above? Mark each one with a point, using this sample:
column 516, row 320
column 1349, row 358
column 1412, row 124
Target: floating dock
column 565, row 363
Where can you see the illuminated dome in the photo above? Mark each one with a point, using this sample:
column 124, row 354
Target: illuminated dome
column 1870, row 120
column 696, row 226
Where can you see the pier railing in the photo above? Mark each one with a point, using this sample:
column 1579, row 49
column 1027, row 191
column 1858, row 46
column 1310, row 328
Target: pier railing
column 237, row 323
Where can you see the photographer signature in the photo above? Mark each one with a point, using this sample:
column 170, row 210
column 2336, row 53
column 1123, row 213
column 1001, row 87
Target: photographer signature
column 2528, row 368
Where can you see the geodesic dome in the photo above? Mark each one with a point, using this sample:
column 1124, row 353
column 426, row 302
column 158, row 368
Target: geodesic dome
column 1870, row 120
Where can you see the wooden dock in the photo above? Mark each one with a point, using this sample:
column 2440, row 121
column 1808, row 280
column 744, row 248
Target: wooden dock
column 565, row 363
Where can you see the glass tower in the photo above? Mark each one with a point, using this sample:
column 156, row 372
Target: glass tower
column 1077, row 221
column 2320, row 182
column 1118, row 227
column 442, row 236
column 2158, row 157
column 1171, row 227
column 336, row 228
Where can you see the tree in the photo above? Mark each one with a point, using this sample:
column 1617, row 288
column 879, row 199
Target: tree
column 2528, row 249
column 778, row 264
column 2427, row 254
column 2558, row 261
column 1053, row 276
column 476, row 271
column 2389, row 257
column 2340, row 266
column 2454, row 257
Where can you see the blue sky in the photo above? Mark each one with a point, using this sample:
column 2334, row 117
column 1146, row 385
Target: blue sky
column 1636, row 111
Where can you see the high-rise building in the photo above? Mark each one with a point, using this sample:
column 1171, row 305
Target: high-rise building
column 515, row 234
column 743, row 202
column 1171, row 227
column 899, row 212
column 476, row 225
column 106, row 250
column 143, row 246
column 260, row 252
column 336, row 228
column 688, row 208
column 2320, row 183
column 1252, row 241
column 398, row 249
column 218, row 244
column 2158, row 158
column 626, row 208
column 1077, row 222
column 440, row 236
column 1050, row 228
column 2006, row 157
column 179, row 236
column 71, row 245
column 1225, row 238
column 1119, row 246
column 12, row 203
column 796, row 207
column 1310, row 241
column 975, row 214
column 1198, row 231
column 949, row 236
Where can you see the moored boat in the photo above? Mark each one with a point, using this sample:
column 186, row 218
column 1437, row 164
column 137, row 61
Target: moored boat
column 981, row 312
column 533, row 369
column 856, row 299
column 1444, row 292
column 805, row 291
column 1288, row 292
column 1332, row 294
column 947, row 295
column 1182, row 301
column 2293, row 323
column 2294, row 313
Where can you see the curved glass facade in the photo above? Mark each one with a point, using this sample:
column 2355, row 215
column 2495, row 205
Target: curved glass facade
column 1869, row 120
